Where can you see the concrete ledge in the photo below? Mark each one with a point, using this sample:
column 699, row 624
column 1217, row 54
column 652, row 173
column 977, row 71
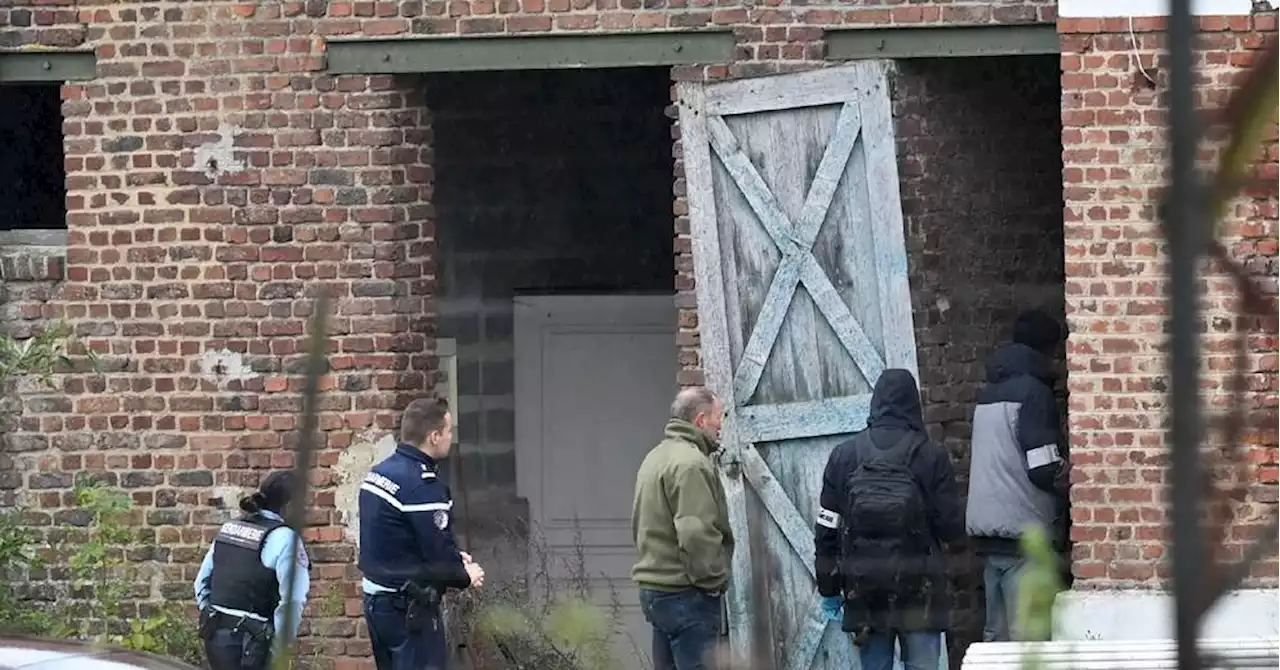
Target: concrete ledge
column 1148, row 615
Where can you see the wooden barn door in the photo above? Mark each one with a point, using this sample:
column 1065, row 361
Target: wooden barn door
column 803, row 301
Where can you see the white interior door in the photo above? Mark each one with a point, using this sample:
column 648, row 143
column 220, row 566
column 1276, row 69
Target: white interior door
column 595, row 376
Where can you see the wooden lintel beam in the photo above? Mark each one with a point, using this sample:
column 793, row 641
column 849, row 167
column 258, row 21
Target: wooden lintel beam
column 530, row 52
column 942, row 41
column 47, row 66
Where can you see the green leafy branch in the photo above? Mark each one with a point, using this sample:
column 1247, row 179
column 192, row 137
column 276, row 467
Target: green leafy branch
column 41, row 354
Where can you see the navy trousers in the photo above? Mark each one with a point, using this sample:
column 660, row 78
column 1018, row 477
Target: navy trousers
column 234, row 649
column 395, row 647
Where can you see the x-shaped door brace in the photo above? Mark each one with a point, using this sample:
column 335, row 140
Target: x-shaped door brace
column 795, row 242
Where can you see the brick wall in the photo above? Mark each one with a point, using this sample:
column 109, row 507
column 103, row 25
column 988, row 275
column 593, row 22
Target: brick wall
column 217, row 181
column 29, row 279
column 984, row 236
column 1114, row 168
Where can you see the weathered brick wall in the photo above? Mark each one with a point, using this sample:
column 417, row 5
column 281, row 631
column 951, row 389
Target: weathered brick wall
column 984, row 237
column 29, row 279
column 216, row 183
column 325, row 183
column 1114, row 171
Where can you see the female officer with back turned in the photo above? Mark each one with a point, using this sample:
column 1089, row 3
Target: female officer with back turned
column 243, row 588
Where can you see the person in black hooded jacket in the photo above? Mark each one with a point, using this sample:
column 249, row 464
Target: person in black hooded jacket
column 891, row 588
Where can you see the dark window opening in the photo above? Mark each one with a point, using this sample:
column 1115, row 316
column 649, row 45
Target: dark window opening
column 33, row 179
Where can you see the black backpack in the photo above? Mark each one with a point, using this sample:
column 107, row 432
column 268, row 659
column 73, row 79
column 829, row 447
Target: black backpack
column 887, row 518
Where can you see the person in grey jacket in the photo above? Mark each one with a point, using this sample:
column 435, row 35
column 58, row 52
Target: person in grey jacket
column 1018, row 468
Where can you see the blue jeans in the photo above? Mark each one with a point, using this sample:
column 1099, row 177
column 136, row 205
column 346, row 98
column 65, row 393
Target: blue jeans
column 1000, row 575
column 226, row 650
column 395, row 647
column 920, row 650
column 686, row 627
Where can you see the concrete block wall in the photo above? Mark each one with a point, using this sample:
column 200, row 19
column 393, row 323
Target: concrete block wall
column 979, row 163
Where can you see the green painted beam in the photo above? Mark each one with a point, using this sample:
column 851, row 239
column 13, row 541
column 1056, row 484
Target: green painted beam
column 942, row 41
column 47, row 66
column 554, row 51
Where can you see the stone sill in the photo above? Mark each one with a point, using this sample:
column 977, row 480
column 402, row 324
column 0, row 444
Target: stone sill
column 33, row 238
column 33, row 255
column 1148, row 615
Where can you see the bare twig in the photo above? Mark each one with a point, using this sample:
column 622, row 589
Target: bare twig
column 306, row 449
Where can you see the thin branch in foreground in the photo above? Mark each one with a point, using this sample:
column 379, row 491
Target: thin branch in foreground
column 316, row 368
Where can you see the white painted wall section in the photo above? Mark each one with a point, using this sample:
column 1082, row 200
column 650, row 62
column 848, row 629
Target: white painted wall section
column 1137, row 8
column 1148, row 615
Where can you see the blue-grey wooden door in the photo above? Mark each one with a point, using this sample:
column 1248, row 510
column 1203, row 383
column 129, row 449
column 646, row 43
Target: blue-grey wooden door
column 803, row 301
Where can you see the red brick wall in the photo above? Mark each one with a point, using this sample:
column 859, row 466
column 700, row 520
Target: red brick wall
column 165, row 262
column 1114, row 167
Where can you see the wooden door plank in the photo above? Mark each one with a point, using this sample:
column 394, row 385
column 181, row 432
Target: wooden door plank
column 752, row 185
column 835, row 158
column 885, row 203
column 800, row 420
column 847, row 253
column 801, row 652
column 713, row 343
column 797, row 531
column 795, row 243
column 840, row 650
column 828, row 86
column 784, row 149
column 845, row 325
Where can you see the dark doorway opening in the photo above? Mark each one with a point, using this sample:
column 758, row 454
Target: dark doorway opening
column 554, row 185
column 33, row 189
column 980, row 159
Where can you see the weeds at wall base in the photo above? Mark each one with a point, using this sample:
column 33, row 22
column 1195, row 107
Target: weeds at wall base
column 543, row 618
column 93, row 604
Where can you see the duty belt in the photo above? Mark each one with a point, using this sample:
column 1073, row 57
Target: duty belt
column 220, row 620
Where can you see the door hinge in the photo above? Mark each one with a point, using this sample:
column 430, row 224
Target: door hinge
column 730, row 460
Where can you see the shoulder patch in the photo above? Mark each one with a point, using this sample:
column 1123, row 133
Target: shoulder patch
column 441, row 518
column 304, row 561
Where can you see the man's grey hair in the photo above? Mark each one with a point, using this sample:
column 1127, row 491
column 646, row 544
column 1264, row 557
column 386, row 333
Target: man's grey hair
column 691, row 401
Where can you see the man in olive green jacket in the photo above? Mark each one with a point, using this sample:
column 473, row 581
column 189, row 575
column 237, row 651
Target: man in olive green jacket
column 680, row 524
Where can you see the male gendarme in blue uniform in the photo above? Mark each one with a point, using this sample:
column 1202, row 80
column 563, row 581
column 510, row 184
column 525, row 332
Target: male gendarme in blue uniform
column 244, row 587
column 407, row 551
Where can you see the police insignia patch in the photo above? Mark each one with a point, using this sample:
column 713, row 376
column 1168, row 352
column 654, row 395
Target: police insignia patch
column 441, row 518
column 303, row 561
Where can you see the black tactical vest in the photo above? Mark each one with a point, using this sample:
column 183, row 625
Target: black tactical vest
column 239, row 581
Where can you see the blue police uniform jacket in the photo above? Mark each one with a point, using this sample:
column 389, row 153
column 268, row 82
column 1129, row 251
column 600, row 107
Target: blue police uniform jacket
column 406, row 526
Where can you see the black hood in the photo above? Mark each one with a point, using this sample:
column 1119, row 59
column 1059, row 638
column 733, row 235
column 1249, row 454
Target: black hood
column 895, row 402
column 1017, row 360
